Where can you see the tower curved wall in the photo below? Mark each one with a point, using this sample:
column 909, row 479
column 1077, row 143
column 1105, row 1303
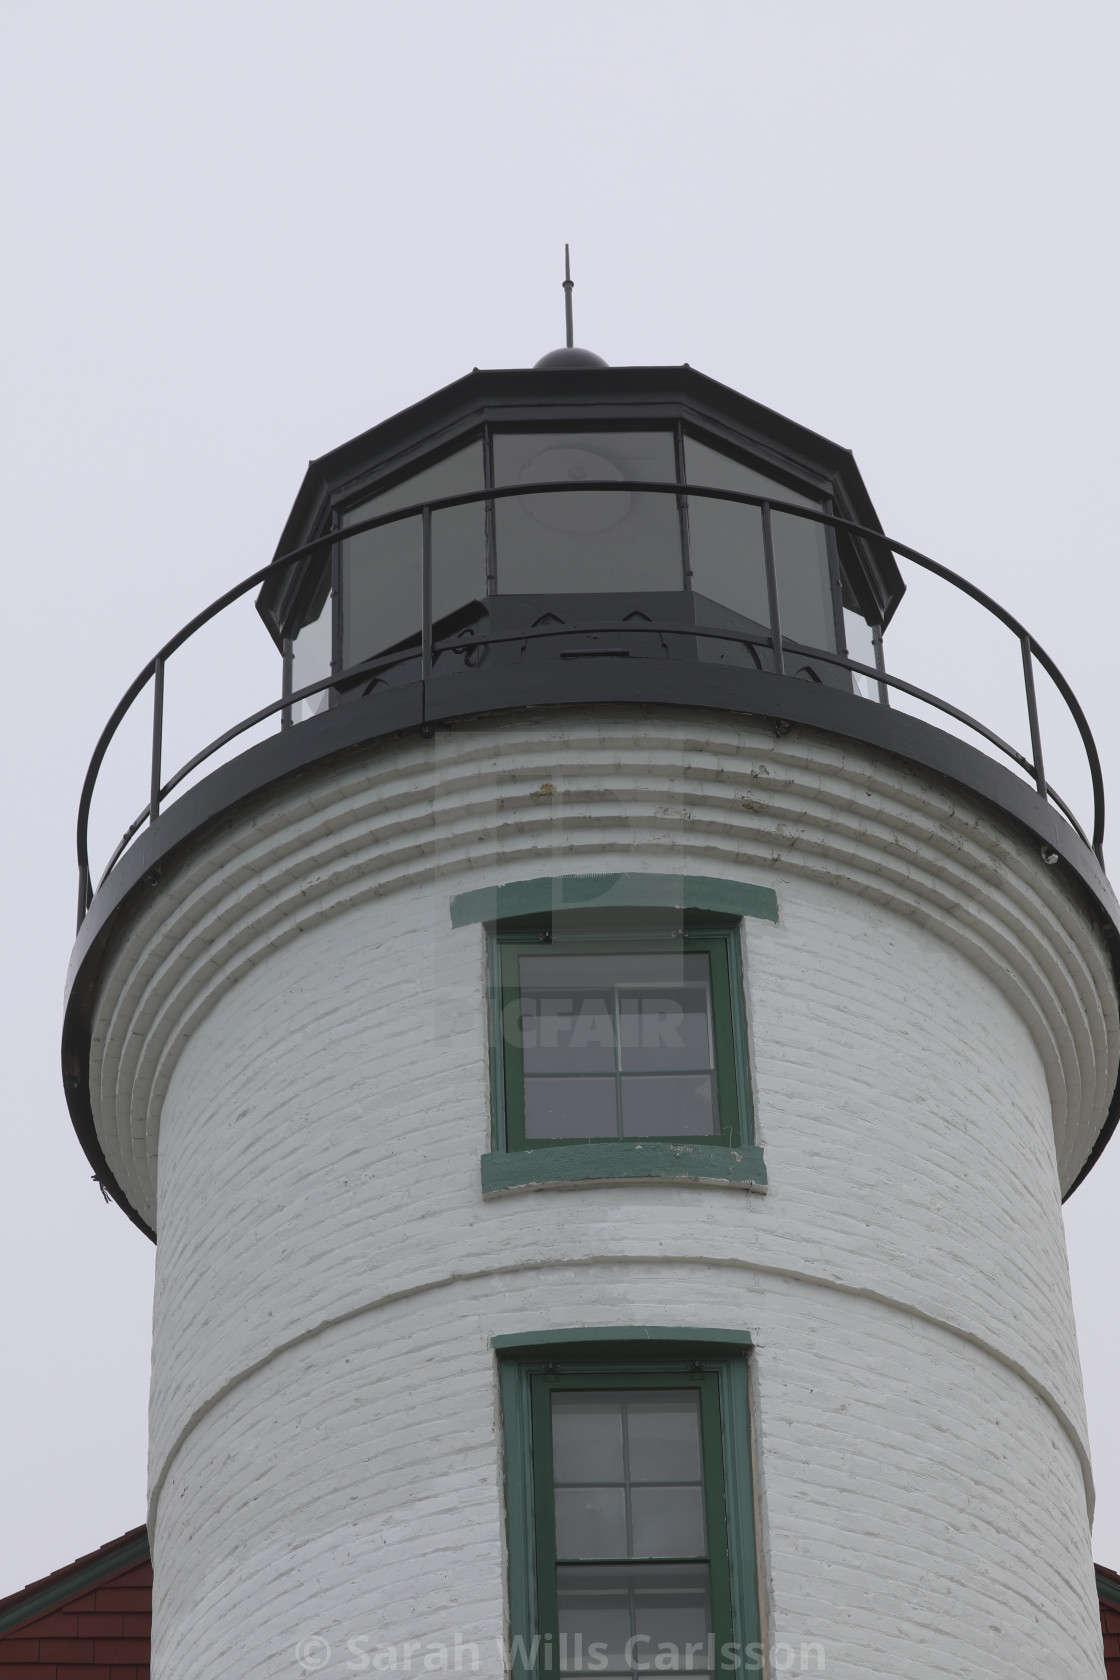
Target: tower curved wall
column 289, row 1076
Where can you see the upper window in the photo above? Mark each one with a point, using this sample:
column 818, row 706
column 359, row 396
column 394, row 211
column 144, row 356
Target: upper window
column 618, row 1043
column 621, row 1035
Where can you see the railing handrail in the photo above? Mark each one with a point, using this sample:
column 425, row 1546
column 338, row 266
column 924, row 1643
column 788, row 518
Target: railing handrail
column 424, row 510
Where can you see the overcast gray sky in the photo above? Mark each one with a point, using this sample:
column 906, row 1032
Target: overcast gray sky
column 237, row 234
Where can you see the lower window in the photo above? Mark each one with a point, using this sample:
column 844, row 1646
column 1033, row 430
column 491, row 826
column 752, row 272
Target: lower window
column 630, row 1516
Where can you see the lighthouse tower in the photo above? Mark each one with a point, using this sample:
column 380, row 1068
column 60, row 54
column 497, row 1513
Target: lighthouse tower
column 604, row 1076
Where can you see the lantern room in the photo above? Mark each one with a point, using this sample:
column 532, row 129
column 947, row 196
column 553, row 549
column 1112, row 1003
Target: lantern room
column 532, row 520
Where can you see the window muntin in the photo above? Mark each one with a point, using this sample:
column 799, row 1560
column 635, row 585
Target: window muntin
column 631, row 1539
column 621, row 1038
column 381, row 570
column 591, row 543
column 726, row 549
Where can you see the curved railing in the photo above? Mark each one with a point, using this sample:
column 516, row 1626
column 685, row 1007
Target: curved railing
column 154, row 671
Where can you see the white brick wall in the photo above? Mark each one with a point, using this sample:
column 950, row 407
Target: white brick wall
column 297, row 1038
column 894, row 1510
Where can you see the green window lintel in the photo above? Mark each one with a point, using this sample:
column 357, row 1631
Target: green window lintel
column 613, row 892
column 639, row 1338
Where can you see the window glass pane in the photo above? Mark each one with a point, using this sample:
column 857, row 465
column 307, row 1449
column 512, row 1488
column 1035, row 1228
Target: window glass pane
column 667, row 1522
column 671, row 1610
column 571, row 1108
column 669, row 1105
column 595, row 1611
column 804, row 589
column 381, row 569
column 311, row 659
column 861, row 646
column 726, row 551
column 725, row 542
column 663, row 1435
column 663, row 1027
column 587, row 1438
column 380, row 591
column 567, row 1030
column 591, row 1522
column 593, row 542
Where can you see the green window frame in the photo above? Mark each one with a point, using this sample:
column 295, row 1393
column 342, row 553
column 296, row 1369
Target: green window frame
column 629, row 1363
column 685, row 914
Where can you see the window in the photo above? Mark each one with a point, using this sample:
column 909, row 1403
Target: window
column 618, row 1034
column 618, row 1044
column 629, row 1510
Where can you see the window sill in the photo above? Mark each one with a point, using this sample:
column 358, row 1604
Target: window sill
column 622, row 1162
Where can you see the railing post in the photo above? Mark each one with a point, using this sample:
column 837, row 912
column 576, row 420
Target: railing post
column 426, row 595
column 488, row 511
column 772, row 592
column 1032, row 714
column 157, row 738
column 682, row 505
column 337, row 607
column 286, row 683
column 880, row 663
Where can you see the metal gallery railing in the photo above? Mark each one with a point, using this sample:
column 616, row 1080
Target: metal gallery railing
column 153, row 672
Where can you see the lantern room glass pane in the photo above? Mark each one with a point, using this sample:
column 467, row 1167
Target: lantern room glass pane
column 593, row 542
column 381, row 570
column 804, row 585
column 311, row 659
column 861, row 645
column 725, row 541
column 727, row 556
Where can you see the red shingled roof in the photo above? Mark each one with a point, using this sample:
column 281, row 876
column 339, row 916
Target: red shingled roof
column 1108, row 1592
column 89, row 1621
